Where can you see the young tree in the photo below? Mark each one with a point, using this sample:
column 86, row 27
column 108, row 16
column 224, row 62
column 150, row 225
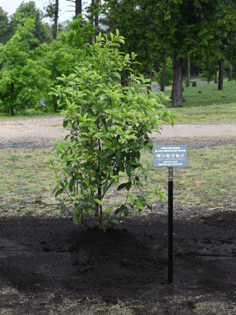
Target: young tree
column 22, row 79
column 109, row 127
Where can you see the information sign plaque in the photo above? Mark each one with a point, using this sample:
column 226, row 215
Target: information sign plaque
column 170, row 156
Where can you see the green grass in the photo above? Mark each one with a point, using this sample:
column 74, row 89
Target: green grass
column 28, row 113
column 208, row 107
column 208, row 181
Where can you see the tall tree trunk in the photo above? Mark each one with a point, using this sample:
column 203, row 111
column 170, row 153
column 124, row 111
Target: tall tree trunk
column 12, row 93
column 92, row 8
column 163, row 74
column 188, row 74
column 124, row 79
column 230, row 71
column 149, row 73
column 91, row 37
column 177, row 95
column 96, row 16
column 54, row 103
column 216, row 71
column 221, row 75
column 12, row 111
column 78, row 7
column 55, row 20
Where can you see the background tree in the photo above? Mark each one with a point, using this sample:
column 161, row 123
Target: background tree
column 77, row 36
column 4, row 26
column 167, row 66
column 29, row 11
column 22, row 79
column 51, row 11
column 77, row 6
column 61, row 57
column 188, row 74
column 135, row 23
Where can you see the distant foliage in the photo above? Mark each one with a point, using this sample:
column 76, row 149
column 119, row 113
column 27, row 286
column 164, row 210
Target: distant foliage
column 29, row 11
column 169, row 73
column 22, row 79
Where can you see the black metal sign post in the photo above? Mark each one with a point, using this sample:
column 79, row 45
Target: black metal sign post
column 170, row 156
column 170, row 225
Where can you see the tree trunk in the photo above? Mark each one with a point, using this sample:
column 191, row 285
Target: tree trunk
column 163, row 74
column 98, row 213
column 149, row 73
column 96, row 16
column 78, row 7
column 188, row 74
column 216, row 80
column 91, row 37
column 55, row 20
column 177, row 96
column 221, row 75
column 12, row 111
column 54, row 103
column 230, row 71
column 124, row 79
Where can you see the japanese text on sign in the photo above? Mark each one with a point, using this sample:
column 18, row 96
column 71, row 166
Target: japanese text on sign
column 170, row 156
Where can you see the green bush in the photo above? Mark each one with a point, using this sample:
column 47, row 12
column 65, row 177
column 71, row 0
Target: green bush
column 109, row 127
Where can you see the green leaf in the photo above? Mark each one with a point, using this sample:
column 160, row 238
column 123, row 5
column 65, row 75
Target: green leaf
column 140, row 206
column 62, row 209
column 115, row 221
column 98, row 201
column 120, row 209
column 122, row 186
column 128, row 185
column 65, row 123
column 126, row 211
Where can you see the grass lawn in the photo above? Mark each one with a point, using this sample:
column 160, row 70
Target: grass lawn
column 207, row 107
column 207, row 181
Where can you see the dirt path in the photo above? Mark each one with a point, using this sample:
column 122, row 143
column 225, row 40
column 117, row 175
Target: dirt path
column 38, row 132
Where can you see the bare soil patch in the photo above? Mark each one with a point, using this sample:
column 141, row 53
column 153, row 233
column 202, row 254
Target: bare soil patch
column 50, row 266
column 47, row 266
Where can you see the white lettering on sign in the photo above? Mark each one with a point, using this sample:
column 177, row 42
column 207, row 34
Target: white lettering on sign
column 170, row 156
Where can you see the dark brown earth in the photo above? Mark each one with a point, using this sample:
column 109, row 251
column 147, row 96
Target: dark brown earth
column 49, row 265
